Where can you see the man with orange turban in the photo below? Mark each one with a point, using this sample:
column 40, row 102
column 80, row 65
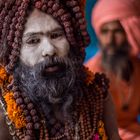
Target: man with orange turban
column 117, row 26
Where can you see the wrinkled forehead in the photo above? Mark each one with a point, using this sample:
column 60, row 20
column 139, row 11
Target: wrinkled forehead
column 38, row 21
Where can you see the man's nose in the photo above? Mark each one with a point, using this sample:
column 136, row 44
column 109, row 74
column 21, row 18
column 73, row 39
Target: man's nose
column 110, row 38
column 48, row 49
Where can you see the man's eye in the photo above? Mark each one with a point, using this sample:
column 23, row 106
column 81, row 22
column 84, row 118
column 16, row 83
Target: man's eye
column 119, row 31
column 104, row 31
column 56, row 35
column 33, row 41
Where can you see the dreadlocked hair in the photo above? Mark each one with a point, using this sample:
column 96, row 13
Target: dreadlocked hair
column 13, row 15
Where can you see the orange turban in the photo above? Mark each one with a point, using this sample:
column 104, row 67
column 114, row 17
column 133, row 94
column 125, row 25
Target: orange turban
column 127, row 12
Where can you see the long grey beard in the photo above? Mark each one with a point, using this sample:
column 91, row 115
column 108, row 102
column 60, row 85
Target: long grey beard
column 50, row 93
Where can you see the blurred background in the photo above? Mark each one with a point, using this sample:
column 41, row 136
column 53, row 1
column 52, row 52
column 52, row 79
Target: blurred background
column 92, row 48
column 131, row 130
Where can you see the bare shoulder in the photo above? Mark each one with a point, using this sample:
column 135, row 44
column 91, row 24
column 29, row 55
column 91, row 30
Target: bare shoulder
column 4, row 132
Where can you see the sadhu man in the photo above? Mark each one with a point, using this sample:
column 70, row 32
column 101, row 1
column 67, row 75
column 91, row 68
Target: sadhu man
column 46, row 92
column 117, row 25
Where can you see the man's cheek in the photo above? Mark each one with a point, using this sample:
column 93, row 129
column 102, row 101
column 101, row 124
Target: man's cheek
column 63, row 48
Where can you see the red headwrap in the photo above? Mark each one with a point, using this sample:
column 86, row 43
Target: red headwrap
column 126, row 11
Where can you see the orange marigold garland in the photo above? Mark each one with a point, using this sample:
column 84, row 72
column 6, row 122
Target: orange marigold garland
column 3, row 75
column 5, row 79
column 15, row 114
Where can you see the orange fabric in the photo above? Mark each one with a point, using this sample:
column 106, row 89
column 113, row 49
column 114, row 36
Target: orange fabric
column 126, row 11
column 126, row 119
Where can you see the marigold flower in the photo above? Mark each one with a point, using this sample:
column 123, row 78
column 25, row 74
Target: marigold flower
column 3, row 75
column 15, row 113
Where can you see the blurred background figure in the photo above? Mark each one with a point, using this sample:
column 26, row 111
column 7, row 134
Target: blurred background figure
column 117, row 26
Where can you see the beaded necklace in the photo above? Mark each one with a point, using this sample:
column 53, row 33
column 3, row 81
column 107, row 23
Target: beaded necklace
column 24, row 121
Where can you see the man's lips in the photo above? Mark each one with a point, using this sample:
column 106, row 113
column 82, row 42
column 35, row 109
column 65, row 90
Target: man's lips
column 52, row 69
